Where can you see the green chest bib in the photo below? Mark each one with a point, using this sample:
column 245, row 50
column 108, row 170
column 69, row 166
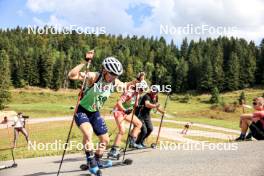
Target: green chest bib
column 95, row 96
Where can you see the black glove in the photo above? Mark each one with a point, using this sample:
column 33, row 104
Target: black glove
column 25, row 117
column 128, row 111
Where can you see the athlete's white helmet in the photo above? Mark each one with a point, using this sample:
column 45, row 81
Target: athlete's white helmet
column 112, row 65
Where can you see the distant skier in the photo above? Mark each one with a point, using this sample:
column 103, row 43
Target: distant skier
column 186, row 127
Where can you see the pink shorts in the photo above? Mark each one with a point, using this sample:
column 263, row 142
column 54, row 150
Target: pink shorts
column 119, row 114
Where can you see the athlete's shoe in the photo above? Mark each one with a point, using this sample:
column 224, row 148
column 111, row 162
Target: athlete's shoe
column 114, row 153
column 249, row 137
column 103, row 163
column 240, row 138
column 93, row 167
column 133, row 144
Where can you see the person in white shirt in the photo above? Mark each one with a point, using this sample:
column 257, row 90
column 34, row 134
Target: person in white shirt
column 19, row 126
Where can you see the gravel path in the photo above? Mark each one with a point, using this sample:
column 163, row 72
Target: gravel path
column 170, row 133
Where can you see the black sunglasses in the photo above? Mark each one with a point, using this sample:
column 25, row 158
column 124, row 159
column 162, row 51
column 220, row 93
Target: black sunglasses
column 111, row 73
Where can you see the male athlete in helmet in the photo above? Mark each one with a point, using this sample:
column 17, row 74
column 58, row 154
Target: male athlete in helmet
column 99, row 87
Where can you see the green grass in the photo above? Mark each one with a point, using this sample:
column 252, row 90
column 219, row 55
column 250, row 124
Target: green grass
column 179, row 126
column 47, row 103
column 41, row 133
column 37, row 102
column 207, row 139
column 49, row 133
column 198, row 109
column 231, row 124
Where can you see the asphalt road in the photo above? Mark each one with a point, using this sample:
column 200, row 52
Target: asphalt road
column 247, row 160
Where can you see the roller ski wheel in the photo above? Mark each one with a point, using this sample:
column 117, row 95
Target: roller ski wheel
column 123, row 163
column 128, row 161
column 84, row 167
column 110, row 156
column 14, row 165
column 153, row 145
column 99, row 173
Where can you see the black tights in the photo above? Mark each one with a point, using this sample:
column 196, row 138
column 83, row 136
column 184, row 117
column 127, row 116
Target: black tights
column 146, row 130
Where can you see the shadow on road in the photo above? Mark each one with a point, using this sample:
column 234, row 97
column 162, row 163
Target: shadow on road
column 49, row 173
column 70, row 160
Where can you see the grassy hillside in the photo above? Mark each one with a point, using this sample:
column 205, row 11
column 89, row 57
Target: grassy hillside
column 37, row 102
column 50, row 132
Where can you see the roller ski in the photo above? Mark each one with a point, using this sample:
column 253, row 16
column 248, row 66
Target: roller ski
column 95, row 166
column 14, row 165
column 126, row 162
column 114, row 153
column 141, row 147
column 153, row 145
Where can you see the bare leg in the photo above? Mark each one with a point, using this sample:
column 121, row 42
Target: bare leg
column 87, row 131
column 104, row 140
column 242, row 117
column 182, row 131
column 186, row 130
column 136, row 123
column 121, row 131
column 245, row 122
column 16, row 133
column 244, row 125
column 25, row 133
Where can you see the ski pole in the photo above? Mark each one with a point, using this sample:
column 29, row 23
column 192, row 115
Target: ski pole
column 130, row 126
column 75, row 110
column 161, row 121
column 12, row 148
